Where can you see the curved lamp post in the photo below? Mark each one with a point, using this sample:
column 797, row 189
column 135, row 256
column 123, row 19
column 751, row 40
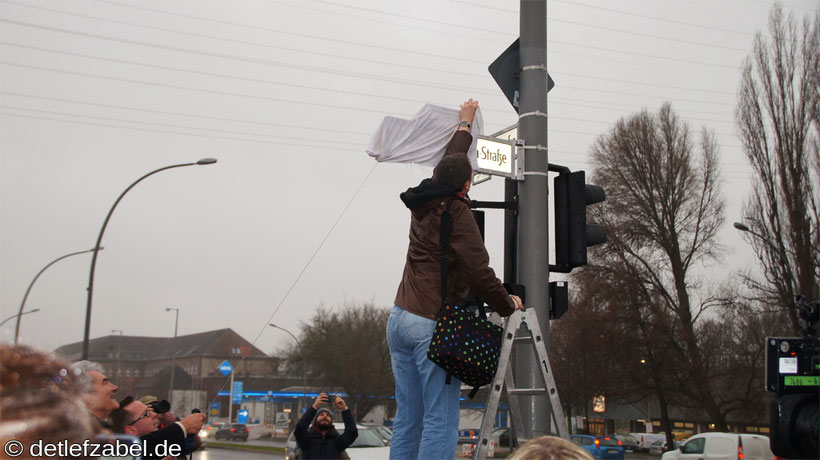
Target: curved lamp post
column 18, row 315
column 304, row 390
column 23, row 303
column 204, row 161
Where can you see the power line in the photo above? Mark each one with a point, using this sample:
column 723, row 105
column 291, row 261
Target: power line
column 167, row 125
column 656, row 18
column 295, row 34
column 88, row 123
column 183, row 114
column 612, row 29
column 452, row 25
column 232, row 40
column 265, row 45
column 230, row 57
column 610, row 50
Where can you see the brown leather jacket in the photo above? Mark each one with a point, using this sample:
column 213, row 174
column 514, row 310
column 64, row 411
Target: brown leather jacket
column 420, row 289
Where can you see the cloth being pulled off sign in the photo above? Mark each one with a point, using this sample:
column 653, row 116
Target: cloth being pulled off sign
column 423, row 138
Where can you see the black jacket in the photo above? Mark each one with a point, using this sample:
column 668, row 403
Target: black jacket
column 329, row 446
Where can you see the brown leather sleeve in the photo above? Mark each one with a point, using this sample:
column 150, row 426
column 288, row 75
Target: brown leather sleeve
column 459, row 143
column 474, row 261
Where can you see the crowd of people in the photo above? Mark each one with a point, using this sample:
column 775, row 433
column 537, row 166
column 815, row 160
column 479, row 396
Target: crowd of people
column 45, row 401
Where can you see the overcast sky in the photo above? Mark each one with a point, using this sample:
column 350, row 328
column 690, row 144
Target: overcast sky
column 286, row 94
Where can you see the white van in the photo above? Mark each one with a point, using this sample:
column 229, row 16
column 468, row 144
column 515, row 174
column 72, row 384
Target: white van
column 720, row 446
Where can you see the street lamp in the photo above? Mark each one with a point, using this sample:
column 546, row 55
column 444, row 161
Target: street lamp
column 173, row 356
column 302, row 350
column 204, row 161
column 23, row 303
column 18, row 315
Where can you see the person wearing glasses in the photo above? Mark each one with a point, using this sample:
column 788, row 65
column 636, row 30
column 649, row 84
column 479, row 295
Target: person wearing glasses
column 135, row 418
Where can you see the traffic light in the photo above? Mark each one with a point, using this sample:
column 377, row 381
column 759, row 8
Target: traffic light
column 572, row 232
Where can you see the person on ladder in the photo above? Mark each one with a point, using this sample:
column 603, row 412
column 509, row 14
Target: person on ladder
column 427, row 415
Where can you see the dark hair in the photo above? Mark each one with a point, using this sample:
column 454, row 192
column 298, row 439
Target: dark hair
column 453, row 171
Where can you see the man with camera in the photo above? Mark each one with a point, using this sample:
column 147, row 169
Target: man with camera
column 321, row 440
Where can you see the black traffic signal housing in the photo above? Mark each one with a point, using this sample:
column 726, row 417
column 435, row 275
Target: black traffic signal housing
column 573, row 234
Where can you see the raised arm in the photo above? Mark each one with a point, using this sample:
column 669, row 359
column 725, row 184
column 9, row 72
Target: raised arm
column 461, row 140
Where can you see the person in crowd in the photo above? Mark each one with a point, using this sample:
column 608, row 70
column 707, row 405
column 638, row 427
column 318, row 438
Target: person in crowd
column 41, row 400
column 549, row 448
column 161, row 408
column 321, row 440
column 426, row 422
column 137, row 419
column 102, row 393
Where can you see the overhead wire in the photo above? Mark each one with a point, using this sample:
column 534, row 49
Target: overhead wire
column 335, row 55
column 452, row 25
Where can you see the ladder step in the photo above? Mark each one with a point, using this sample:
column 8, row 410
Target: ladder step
column 523, row 339
column 526, row 391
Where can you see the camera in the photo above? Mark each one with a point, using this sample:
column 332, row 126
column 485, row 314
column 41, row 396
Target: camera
column 793, row 374
column 161, row 407
column 331, row 399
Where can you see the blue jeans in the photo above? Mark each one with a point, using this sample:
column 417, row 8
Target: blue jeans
column 426, row 423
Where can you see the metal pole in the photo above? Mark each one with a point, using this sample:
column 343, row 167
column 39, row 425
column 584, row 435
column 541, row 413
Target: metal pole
column 230, row 398
column 302, row 350
column 533, row 219
column 204, row 161
column 173, row 357
column 23, row 303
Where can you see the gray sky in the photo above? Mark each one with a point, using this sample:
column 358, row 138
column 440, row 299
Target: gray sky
column 96, row 93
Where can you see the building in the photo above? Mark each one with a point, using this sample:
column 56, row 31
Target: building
column 142, row 366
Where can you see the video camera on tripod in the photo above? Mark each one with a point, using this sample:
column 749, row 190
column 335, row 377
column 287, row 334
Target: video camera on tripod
column 793, row 374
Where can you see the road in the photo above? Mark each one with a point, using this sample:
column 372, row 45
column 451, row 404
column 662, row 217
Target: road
column 225, row 454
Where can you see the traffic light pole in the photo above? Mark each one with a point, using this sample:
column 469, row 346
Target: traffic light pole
column 533, row 219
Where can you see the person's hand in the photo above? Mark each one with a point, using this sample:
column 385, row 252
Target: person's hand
column 517, row 304
column 340, row 403
column 467, row 111
column 321, row 399
column 193, row 423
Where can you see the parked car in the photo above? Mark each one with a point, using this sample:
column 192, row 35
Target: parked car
column 646, row 439
column 238, row 431
column 628, row 442
column 658, row 447
column 599, row 446
column 713, row 446
column 367, row 446
column 501, row 439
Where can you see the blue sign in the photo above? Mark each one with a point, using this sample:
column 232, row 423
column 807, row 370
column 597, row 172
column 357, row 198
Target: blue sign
column 225, row 367
column 237, row 392
column 213, row 409
column 242, row 416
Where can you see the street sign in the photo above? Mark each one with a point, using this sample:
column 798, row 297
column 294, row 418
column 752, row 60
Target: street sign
column 480, row 178
column 496, row 157
column 237, row 393
column 506, row 70
column 225, row 367
column 213, row 409
column 242, row 416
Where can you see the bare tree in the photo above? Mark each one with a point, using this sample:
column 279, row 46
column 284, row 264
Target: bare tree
column 777, row 121
column 663, row 212
column 347, row 348
column 614, row 341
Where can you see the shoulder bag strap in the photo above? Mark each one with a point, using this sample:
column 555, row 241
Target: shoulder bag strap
column 444, row 245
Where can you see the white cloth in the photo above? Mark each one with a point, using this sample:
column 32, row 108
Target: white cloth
column 422, row 139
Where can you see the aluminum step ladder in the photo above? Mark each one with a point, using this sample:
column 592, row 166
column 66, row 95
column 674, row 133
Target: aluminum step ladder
column 504, row 381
